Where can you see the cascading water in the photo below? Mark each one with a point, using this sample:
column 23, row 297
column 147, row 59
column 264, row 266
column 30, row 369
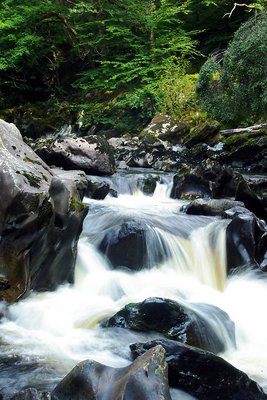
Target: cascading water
column 45, row 335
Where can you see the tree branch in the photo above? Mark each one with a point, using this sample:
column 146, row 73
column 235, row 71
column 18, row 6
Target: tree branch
column 238, row 5
column 254, row 128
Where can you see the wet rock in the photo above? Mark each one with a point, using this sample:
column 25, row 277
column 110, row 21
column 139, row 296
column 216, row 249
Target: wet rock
column 130, row 245
column 148, row 184
column 203, row 374
column 251, row 200
column 215, row 207
column 210, row 179
column 31, row 394
column 91, row 154
column 175, row 321
column 97, row 190
column 221, row 179
column 189, row 187
column 258, row 185
column 246, row 240
column 145, row 379
column 41, row 217
column 17, row 371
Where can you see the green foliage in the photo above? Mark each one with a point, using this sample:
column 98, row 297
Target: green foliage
column 117, row 61
column 135, row 42
column 233, row 87
column 177, row 96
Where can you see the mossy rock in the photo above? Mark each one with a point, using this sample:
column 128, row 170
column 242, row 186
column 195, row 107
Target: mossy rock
column 203, row 133
column 248, row 138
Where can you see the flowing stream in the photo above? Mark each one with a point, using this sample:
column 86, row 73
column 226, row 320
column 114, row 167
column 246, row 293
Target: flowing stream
column 45, row 335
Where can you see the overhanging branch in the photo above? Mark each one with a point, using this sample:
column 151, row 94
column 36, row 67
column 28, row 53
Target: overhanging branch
column 238, row 5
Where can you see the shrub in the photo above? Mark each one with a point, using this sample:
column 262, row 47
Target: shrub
column 232, row 87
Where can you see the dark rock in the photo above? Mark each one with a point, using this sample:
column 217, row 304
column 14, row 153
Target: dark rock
column 41, row 217
column 203, row 374
column 176, row 322
column 246, row 150
column 31, row 394
column 258, row 185
column 145, row 379
column 148, row 184
column 4, row 284
column 205, row 133
column 130, row 245
column 211, row 207
column 246, row 240
column 189, row 187
column 210, row 179
column 196, row 154
column 221, row 179
column 97, row 190
column 251, row 200
column 91, row 154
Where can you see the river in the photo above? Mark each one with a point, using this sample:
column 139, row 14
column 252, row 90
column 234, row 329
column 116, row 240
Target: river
column 45, row 335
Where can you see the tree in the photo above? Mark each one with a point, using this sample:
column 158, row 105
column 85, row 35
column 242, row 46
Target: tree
column 137, row 42
column 33, row 38
column 232, row 86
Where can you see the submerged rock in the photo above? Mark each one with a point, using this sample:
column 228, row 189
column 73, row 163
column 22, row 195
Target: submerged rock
column 186, row 325
column 130, row 245
column 31, row 394
column 202, row 374
column 147, row 184
column 145, row 379
column 41, row 217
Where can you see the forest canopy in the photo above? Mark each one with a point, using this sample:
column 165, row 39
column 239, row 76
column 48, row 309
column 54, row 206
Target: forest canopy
column 118, row 62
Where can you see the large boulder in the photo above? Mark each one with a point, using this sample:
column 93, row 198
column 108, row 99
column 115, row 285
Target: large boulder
column 91, row 154
column 145, row 379
column 203, row 133
column 130, row 245
column 148, row 152
column 203, row 374
column 176, row 321
column 41, row 217
column 165, row 127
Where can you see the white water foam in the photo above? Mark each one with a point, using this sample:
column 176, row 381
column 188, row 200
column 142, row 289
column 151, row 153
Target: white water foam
column 61, row 328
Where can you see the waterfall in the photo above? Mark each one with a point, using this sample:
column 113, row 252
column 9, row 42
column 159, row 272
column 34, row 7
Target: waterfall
column 185, row 262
